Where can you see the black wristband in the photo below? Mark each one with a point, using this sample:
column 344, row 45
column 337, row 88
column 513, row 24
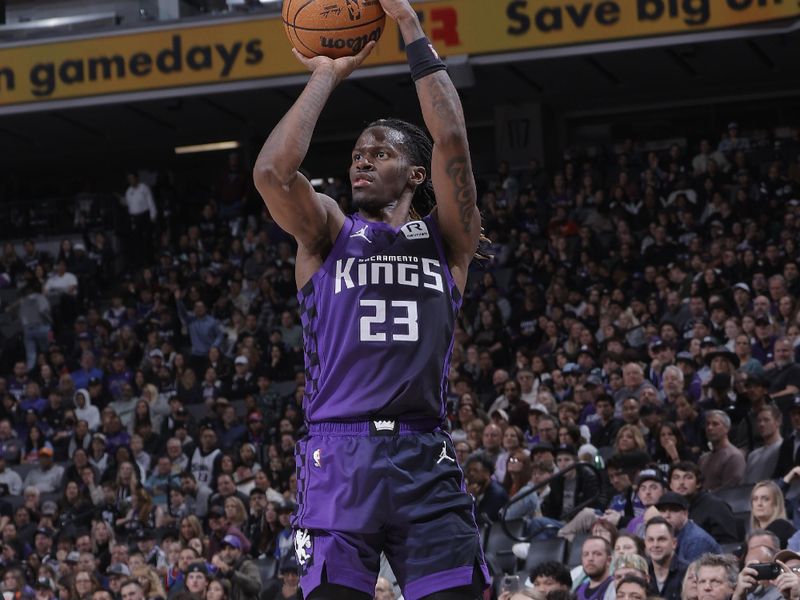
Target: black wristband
column 423, row 59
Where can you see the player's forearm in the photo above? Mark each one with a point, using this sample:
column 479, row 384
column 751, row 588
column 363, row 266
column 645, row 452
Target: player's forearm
column 287, row 145
column 441, row 106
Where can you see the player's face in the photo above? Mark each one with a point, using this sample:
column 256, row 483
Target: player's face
column 379, row 170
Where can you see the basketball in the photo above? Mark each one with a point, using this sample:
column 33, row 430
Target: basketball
column 332, row 28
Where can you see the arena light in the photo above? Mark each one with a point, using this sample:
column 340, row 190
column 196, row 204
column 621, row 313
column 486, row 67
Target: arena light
column 210, row 147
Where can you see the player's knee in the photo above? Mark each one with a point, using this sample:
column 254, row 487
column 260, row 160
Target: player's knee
column 331, row 591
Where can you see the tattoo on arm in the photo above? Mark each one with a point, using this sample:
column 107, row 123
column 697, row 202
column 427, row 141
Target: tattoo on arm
column 458, row 172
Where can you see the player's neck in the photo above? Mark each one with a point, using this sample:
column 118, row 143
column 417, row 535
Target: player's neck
column 395, row 214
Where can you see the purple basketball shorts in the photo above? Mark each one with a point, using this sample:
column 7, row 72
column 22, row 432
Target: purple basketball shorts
column 374, row 486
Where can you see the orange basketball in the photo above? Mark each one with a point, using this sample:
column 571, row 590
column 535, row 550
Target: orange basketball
column 332, row 28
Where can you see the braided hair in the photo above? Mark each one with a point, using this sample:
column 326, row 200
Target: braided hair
column 419, row 150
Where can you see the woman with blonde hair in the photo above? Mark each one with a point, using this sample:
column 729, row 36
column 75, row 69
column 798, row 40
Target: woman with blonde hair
column 629, row 439
column 689, row 587
column 103, row 539
column 236, row 512
column 159, row 407
column 190, row 527
column 140, row 515
column 768, row 511
column 150, row 582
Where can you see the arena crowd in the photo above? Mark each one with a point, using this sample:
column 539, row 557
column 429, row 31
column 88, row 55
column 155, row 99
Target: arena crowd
column 636, row 328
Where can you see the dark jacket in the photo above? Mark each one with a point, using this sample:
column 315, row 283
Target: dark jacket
column 674, row 582
column 713, row 515
column 493, row 499
column 785, row 457
column 587, row 485
column 245, row 580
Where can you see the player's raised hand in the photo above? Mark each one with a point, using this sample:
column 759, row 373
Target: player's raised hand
column 341, row 67
column 396, row 9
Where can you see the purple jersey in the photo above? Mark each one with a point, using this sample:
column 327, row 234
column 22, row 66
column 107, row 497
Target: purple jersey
column 378, row 322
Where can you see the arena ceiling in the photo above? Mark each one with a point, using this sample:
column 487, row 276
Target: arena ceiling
column 755, row 73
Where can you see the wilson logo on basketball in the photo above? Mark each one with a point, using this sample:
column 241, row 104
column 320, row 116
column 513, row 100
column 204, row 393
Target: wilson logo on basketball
column 355, row 43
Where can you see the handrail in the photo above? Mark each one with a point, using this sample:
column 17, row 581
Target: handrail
column 561, row 474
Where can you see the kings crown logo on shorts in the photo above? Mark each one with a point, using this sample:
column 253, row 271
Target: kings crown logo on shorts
column 384, row 425
column 303, row 547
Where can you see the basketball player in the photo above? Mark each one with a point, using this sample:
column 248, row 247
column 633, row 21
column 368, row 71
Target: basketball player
column 379, row 294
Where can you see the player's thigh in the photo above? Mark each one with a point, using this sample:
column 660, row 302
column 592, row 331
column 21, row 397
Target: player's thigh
column 432, row 542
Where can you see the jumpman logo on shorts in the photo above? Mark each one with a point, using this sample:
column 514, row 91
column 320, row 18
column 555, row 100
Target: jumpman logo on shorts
column 362, row 233
column 443, row 455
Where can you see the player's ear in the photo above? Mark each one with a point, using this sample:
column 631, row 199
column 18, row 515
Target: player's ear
column 417, row 175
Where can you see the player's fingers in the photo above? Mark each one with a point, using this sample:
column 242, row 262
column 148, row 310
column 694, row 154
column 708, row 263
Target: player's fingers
column 361, row 56
column 303, row 59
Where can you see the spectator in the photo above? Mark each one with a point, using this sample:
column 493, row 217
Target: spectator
column 784, row 375
column 692, row 540
column 723, row 466
column 10, row 481
column 596, row 563
column 550, row 575
column 204, row 329
column 243, row 573
column 763, row 461
column 578, row 488
column 36, row 320
column 717, row 576
column 142, row 213
column 489, row 495
column 631, row 587
column 287, row 586
column 666, row 569
column 197, row 578
column 749, row 586
column 768, row 511
column 45, row 477
column 384, row 590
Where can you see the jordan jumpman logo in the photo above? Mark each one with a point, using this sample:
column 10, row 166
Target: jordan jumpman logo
column 443, row 455
column 362, row 233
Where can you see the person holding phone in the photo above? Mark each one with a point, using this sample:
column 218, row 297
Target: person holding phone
column 756, row 580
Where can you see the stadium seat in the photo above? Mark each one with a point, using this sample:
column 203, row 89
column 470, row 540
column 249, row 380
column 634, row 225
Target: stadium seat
column 498, row 547
column 574, row 554
column 283, row 388
column 23, row 469
column 543, row 550
column 51, row 497
column 731, row 548
column 738, row 498
column 14, row 501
